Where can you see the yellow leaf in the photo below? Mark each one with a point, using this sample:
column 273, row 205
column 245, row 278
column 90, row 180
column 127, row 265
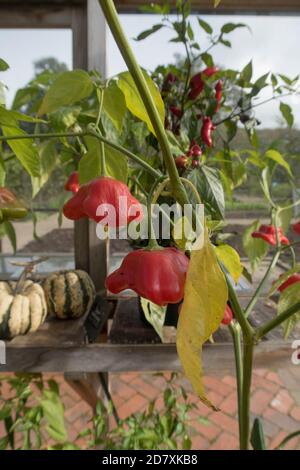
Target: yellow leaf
column 231, row 260
column 205, row 299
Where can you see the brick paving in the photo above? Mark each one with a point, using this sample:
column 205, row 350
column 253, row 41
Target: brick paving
column 275, row 397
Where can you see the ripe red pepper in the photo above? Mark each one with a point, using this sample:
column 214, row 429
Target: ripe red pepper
column 157, row 275
column 196, row 86
column 291, row 280
column 104, row 191
column 181, row 162
column 296, row 228
column 196, row 151
column 73, row 182
column 176, row 111
column 10, row 207
column 195, row 163
column 219, row 94
column 210, row 71
column 206, row 131
column 228, row 316
column 268, row 234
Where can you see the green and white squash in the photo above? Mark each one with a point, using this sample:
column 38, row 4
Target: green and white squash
column 21, row 312
column 69, row 294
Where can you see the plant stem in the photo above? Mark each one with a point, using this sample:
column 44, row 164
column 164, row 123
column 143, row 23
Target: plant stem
column 111, row 16
column 235, row 331
column 94, row 133
column 246, row 394
column 276, row 321
column 262, row 284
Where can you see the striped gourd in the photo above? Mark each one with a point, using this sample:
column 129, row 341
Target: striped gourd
column 21, row 312
column 69, row 294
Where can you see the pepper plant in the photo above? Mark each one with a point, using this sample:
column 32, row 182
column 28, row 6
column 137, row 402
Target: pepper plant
column 185, row 118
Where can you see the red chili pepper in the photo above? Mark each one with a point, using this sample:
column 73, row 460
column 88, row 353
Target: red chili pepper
column 73, row 182
column 206, row 131
column 176, row 111
column 196, row 151
column 296, row 228
column 10, row 207
column 196, row 86
column 157, row 275
column 210, row 71
column 228, row 316
column 219, row 94
column 268, row 234
column 107, row 193
column 291, row 280
column 170, row 78
column 181, row 162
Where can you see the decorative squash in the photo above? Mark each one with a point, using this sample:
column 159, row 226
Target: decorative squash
column 69, row 294
column 23, row 311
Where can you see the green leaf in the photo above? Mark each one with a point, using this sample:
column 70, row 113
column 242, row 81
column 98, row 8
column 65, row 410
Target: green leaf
column 7, row 229
column 67, row 89
column 265, row 185
column 259, row 84
column 246, row 73
column 155, row 315
column 148, row 32
column 11, row 118
column 289, row 297
column 257, row 436
column 48, row 157
column 207, row 28
column 53, row 410
column 229, row 27
column 90, row 164
column 255, row 248
column 3, row 65
column 24, row 149
column 207, row 59
column 284, row 218
column 212, row 190
column 133, row 99
column 114, row 105
column 231, row 260
column 278, row 158
column 287, row 113
column 225, row 42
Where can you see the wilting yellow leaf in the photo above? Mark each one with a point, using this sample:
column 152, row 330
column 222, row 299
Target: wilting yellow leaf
column 231, row 260
column 205, row 299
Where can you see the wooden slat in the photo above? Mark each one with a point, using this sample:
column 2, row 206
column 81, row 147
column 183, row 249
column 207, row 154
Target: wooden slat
column 121, row 358
column 24, row 16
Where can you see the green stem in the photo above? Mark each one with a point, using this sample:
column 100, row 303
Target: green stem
column 276, row 321
column 152, row 199
column 100, row 96
column 94, row 133
column 246, row 394
column 111, row 16
column 235, row 331
column 262, row 284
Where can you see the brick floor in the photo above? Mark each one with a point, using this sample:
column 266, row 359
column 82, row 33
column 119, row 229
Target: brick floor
column 275, row 397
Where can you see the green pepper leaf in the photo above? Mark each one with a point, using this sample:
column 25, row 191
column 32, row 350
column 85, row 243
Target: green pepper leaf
column 289, row 297
column 24, row 149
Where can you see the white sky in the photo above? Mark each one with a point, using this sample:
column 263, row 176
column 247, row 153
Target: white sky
column 273, row 45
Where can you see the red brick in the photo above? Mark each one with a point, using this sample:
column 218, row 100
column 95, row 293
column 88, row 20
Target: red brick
column 201, row 409
column 144, row 388
column 274, row 378
column 209, row 430
column 214, row 397
column 72, row 414
column 260, row 400
column 125, row 392
column 132, row 406
column 217, row 385
column 199, row 443
column 229, row 380
column 277, row 440
column 225, row 422
column 295, row 413
column 282, row 402
column 261, row 372
column 225, row 442
column 292, row 444
column 230, row 405
column 260, row 382
column 127, row 377
column 285, row 422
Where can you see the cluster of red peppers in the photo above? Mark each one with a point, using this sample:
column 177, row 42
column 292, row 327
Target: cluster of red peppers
column 191, row 159
column 10, row 207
